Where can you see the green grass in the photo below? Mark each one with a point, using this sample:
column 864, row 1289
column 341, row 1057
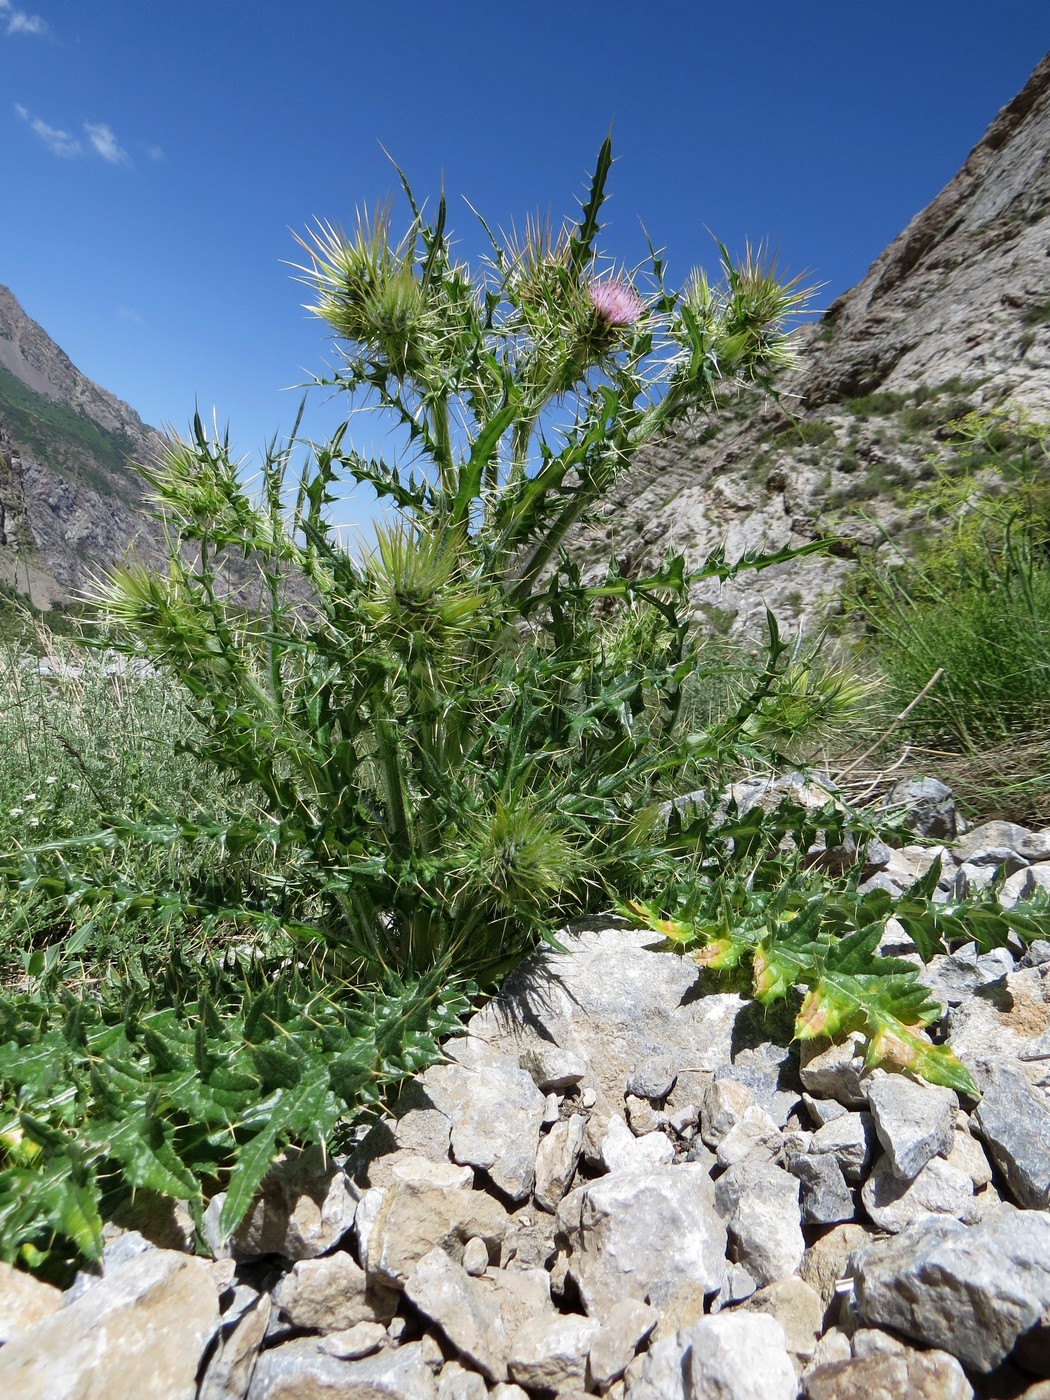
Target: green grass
column 77, row 745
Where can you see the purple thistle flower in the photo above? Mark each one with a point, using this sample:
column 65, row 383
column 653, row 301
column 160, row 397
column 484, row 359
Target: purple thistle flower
column 616, row 303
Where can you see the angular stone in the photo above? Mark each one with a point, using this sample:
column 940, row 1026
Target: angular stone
column 659, row 1373
column 622, row 1151
column 424, row 1131
column 951, row 977
column 914, row 1122
column 893, row 1203
column 413, row 1169
column 848, row 1140
column 305, row 1206
column 230, row 1367
column 824, row 1197
column 1014, row 1121
column 457, row 1383
column 739, row 1356
column 24, row 1301
column 825, row 1261
column 971, row 1290
column 799, row 1310
column 522, row 1294
column 654, row 1078
column 835, row 1071
column 998, row 1021
column 917, row 1375
column 754, row 1133
column 723, row 1105
column 550, row 1353
column 618, row 1338
column 332, row 1293
column 556, row 1161
column 967, row 1155
column 362, row 1339
column 823, row 1110
column 609, row 976
column 991, row 836
column 496, row 1112
column 466, row 1312
column 834, row 1345
column 411, row 1222
column 759, row 1203
column 475, row 1256
column 642, row 1117
column 618, row 1229
column 303, row 1370
column 552, row 1068
column 141, row 1331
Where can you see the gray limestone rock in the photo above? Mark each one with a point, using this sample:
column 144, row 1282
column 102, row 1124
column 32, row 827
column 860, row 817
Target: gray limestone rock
column 141, row 1331
column 550, row 1353
column 496, row 1111
column 231, row 1364
column 739, row 1356
column 825, row 1261
column 967, row 1155
column 753, row 1134
column 917, row 1375
column 621, row 1151
column 24, row 1301
column 457, row 1383
column 914, row 1121
column 617, row 1339
column 467, row 1313
column 654, row 1078
column 618, row 1227
column 1014, row 1120
column 969, row 1290
column 760, row 1205
column 331, row 1294
column 836, row 1070
column 798, row 1307
column 824, row 1197
column 999, row 1020
column 304, row 1370
column 724, row 1103
column 410, row 1222
column 556, row 1160
column 659, row 1373
column 552, row 1068
column 848, row 1141
column 893, row 1202
column 363, row 1339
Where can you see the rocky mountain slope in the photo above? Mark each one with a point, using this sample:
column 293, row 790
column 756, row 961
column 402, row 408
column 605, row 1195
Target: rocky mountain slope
column 70, row 502
column 954, row 315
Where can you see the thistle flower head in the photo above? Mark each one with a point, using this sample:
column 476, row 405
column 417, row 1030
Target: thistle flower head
column 615, row 302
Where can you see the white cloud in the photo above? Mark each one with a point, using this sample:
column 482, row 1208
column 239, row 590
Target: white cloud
column 19, row 22
column 105, row 144
column 57, row 141
column 154, row 153
column 127, row 313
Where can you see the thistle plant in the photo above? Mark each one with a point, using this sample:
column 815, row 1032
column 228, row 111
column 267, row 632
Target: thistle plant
column 451, row 742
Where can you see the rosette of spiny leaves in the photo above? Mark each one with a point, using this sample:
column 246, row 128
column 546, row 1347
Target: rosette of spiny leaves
column 818, row 940
column 180, row 1079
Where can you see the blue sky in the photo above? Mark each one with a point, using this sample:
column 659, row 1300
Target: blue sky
column 155, row 156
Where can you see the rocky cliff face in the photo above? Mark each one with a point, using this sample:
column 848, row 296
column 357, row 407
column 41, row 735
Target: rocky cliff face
column 70, row 501
column 955, row 314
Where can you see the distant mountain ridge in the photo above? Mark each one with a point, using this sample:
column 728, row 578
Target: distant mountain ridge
column 71, row 502
column 953, row 315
